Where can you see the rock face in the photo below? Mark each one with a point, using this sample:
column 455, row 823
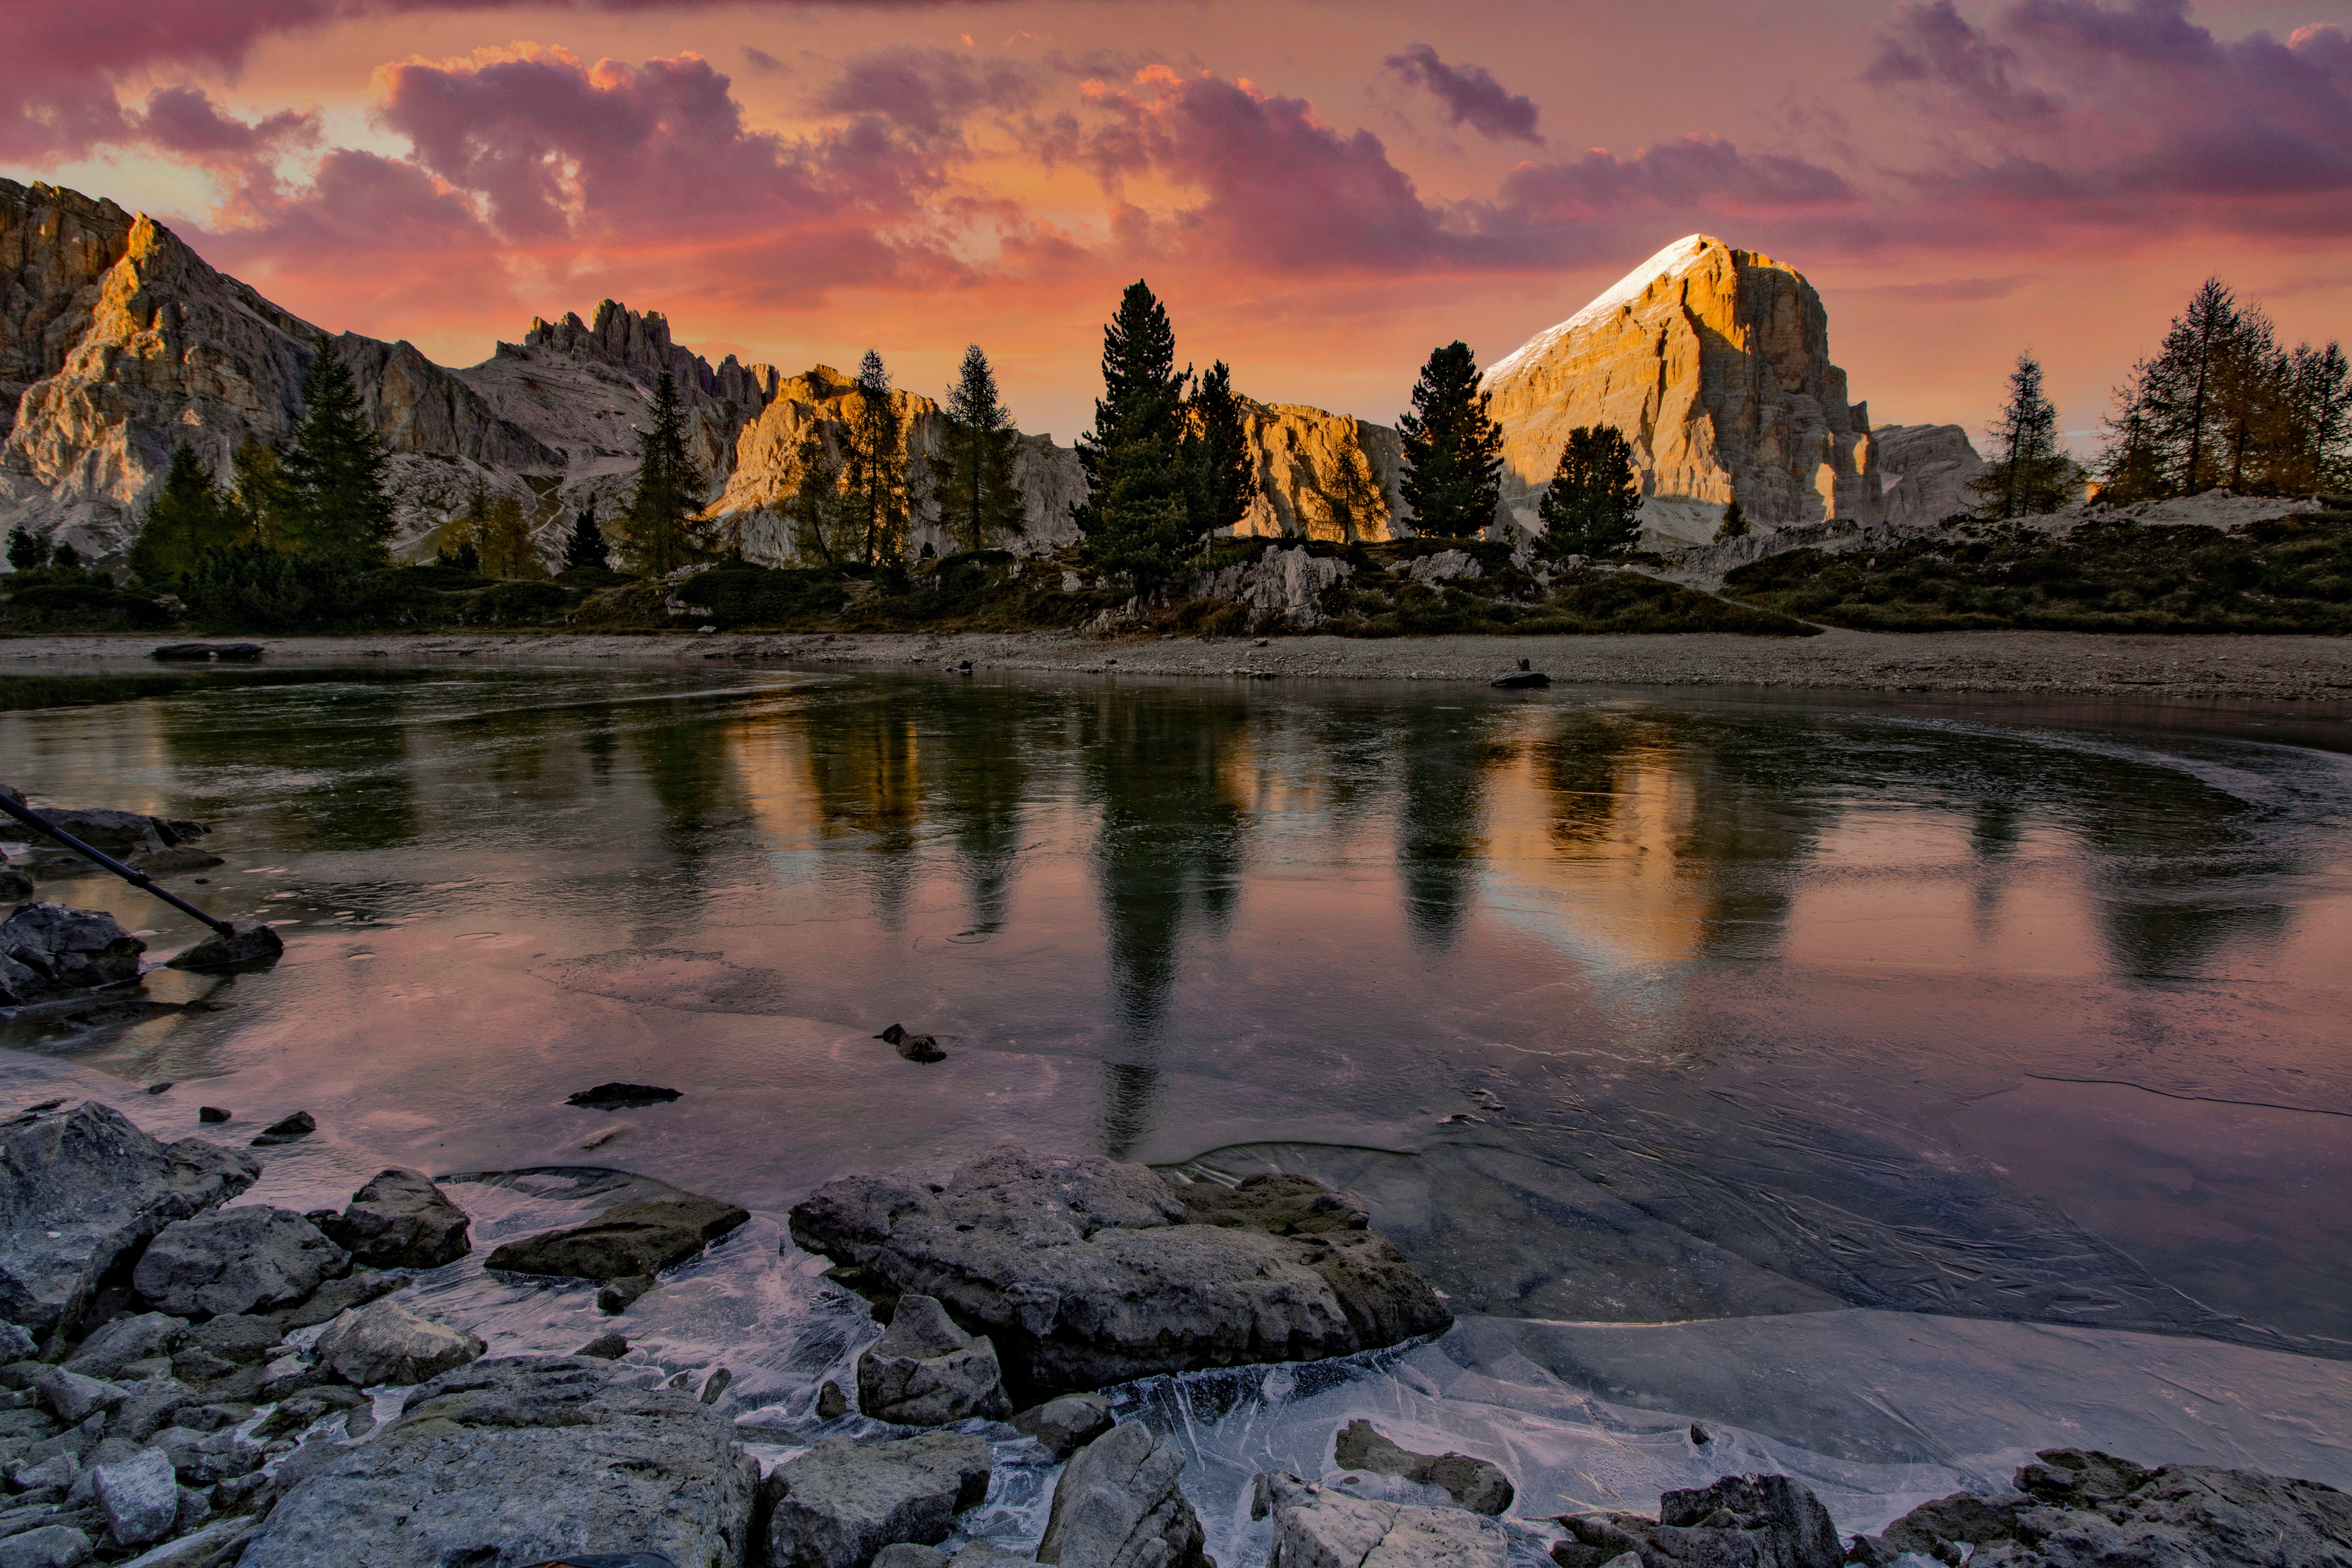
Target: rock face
column 387, row 1344
column 1089, row 1272
column 1477, row 1484
column 1317, row 1527
column 2072, row 1509
column 1281, row 587
column 625, row 1241
column 48, row 950
column 521, row 1460
column 141, row 1495
column 400, row 1220
column 1924, row 472
column 102, row 1187
column 1715, row 364
column 837, row 1505
column 1321, row 476
column 926, row 1372
column 1118, row 1505
column 237, row 1260
column 1769, row 1522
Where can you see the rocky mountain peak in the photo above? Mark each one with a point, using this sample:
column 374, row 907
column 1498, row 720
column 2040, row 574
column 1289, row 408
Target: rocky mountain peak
column 638, row 345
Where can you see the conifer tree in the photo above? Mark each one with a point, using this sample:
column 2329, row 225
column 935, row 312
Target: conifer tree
column 465, row 534
column 585, row 550
column 2030, row 474
column 874, row 468
column 190, row 516
column 259, row 496
column 1734, row 524
column 28, row 550
column 1137, row 515
column 1225, row 469
column 333, row 472
column 980, row 501
column 1352, row 494
column 506, row 548
column 1453, row 449
column 1593, row 504
column 2314, row 445
column 660, row 535
column 815, row 513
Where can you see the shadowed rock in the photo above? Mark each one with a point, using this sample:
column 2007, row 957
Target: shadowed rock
column 926, row 1372
column 387, row 1344
column 400, row 1220
column 913, row 1048
column 237, row 1260
column 1770, row 1522
column 1477, row 1484
column 622, row 1097
column 840, row 1503
column 1118, row 1505
column 625, row 1241
column 47, row 951
column 1067, row 1424
column 287, row 1130
column 248, row 942
column 1320, row 1527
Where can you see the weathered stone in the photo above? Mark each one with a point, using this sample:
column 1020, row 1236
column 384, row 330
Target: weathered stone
column 141, row 1495
column 1771, row 1521
column 206, row 1458
column 832, row 1405
column 336, row 1297
column 121, row 834
column 1118, row 1505
column 1086, row 1272
column 173, row 862
column 912, row 1047
column 626, row 1240
column 153, row 1404
column 400, row 1220
column 15, row 1343
column 522, row 1460
column 1277, row 1203
column 981, row 1555
column 247, row 941
column 604, row 1347
column 106, row 1352
column 237, row 1260
column 1924, row 472
column 287, row 1130
column 620, row 1295
column 57, row 951
column 926, row 1372
column 235, row 1338
column 1320, row 1527
column 1067, row 1424
column 1477, row 1484
column 622, row 1097
column 76, row 1398
column 387, row 1344
column 1281, row 587
column 213, row 1546
column 50, row 1546
column 840, row 1503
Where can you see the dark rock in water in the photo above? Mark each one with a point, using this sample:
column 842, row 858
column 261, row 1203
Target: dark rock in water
column 624, row 1240
column 47, row 951
column 832, row 1405
column 196, row 652
column 1477, row 1484
column 1699, row 1435
column 1118, row 1505
column 387, row 1344
column 840, row 1503
column 164, row 1088
column 620, row 1295
column 1772, row 1521
column 1317, row 1525
column 79, row 1190
column 604, row 1347
column 1521, row 680
column 401, row 1220
column 1087, row 1272
column 14, row 885
column 337, row 1297
column 237, row 1260
column 287, row 1130
column 178, row 830
column 2077, row 1507
column 1067, row 1424
column 522, row 1460
column 914, row 1048
column 121, row 834
column 1276, row 1203
column 926, row 1372
column 622, row 1097
column 172, row 862
column 176, row 652
column 250, row 941
column 210, row 1114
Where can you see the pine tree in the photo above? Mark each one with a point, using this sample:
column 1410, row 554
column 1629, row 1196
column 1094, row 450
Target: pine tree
column 874, row 468
column 1593, row 504
column 816, row 514
column 464, row 535
column 333, row 473
column 1734, row 524
column 27, row 551
column 980, row 501
column 1453, row 449
column 2030, row 474
column 2315, row 449
column 259, row 496
column 1224, row 469
column 506, row 548
column 1357, row 508
column 190, row 516
column 584, row 551
column 659, row 533
column 1138, row 514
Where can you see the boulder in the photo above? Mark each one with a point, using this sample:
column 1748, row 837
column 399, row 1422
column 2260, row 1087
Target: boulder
column 926, row 1372
column 172, row 862
column 1772, row 1521
column 604, row 1347
column 626, row 1241
column 840, row 1503
column 213, row 1546
column 1087, row 1272
column 121, row 834
column 15, row 887
column 50, row 951
column 1275, row 1202
column 207, row 1458
column 522, row 1460
column 336, row 1297
column 387, row 1344
column 237, row 1260
column 287, row 1130
column 80, row 1189
column 981, row 1555
column 76, row 1398
column 248, row 942
column 400, row 1220
column 151, row 1403
column 622, row 1097
column 1118, row 1505
column 50, row 1546
column 141, row 1495
column 114, row 1347
column 1320, row 1527
column 1067, row 1424
column 913, row 1048
column 1477, row 1484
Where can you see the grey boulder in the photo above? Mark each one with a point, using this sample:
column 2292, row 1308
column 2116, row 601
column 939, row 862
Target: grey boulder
column 121, row 834
column 141, row 1495
column 400, row 1220
column 1320, row 1527
column 126, row 1339
column 625, row 1241
column 907, row 1554
column 1087, row 1272
column 840, row 1503
column 50, row 1546
column 76, row 1398
column 246, row 941
column 64, row 951
column 237, row 1260
column 926, row 1372
column 1477, row 1484
column 387, row 1344
column 518, row 1460
column 1118, row 1505
column 1067, row 1424
column 80, row 1189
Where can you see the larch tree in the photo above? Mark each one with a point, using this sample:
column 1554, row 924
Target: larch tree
column 190, row 516
column 2031, row 474
column 979, row 502
column 1453, row 449
column 660, row 531
column 874, row 478
column 1138, row 517
column 333, row 472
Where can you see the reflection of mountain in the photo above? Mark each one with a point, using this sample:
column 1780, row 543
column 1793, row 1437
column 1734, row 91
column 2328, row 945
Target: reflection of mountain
column 347, row 742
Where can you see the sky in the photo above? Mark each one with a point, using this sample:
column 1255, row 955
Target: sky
column 1321, row 191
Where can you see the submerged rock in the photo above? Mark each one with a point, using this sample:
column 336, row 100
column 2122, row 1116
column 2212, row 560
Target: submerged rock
column 287, row 1130
column 248, row 942
column 80, row 1189
column 1087, row 1272
column 622, row 1097
column 1477, row 1484
column 840, row 1503
column 913, row 1048
column 1771, row 1521
column 625, row 1241
column 47, row 951
column 1118, row 1505
column 1320, row 1527
column 926, row 1372
column 400, row 1220
column 387, row 1344
column 237, row 1260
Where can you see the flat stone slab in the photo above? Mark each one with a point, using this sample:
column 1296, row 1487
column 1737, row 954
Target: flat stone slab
column 840, row 1503
column 1320, row 1527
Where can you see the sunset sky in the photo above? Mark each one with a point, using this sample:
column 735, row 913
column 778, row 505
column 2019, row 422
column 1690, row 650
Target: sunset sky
column 1320, row 192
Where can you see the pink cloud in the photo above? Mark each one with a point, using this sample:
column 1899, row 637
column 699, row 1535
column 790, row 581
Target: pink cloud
column 1471, row 95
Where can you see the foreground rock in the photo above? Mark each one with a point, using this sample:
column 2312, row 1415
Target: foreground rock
column 837, row 1505
column 79, row 1190
column 523, row 1460
column 1477, row 1484
column 1772, row 1521
column 1087, row 1272
column 1318, row 1527
column 387, row 1344
column 626, row 1241
column 2074, row 1508
column 1118, row 1505
column 622, row 1097
column 1067, row 1424
column 247, row 941
column 400, row 1220
column 47, row 951
column 926, row 1372
column 237, row 1260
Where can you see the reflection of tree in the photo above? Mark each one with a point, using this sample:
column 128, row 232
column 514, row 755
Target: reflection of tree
column 864, row 758
column 689, row 771
column 1157, row 765
column 2175, row 846
column 1441, row 796
column 979, row 784
column 348, row 743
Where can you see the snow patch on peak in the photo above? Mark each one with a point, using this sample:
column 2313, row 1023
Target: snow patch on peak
column 1676, row 258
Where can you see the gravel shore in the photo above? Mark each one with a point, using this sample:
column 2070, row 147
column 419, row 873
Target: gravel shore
column 2291, row 669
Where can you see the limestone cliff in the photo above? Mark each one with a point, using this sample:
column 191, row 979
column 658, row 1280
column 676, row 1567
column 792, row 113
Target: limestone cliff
column 1715, row 363
column 1322, row 476
column 1924, row 472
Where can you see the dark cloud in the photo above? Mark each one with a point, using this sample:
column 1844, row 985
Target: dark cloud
column 185, row 123
column 761, row 60
column 1471, row 95
column 1690, row 173
column 928, row 93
